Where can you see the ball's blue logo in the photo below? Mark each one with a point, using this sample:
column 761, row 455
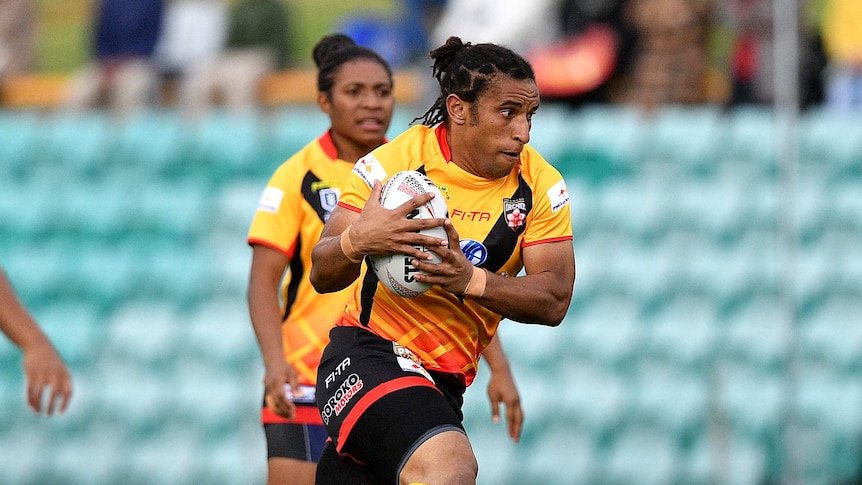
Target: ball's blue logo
column 475, row 251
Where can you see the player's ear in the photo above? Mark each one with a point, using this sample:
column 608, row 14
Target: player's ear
column 457, row 109
column 324, row 102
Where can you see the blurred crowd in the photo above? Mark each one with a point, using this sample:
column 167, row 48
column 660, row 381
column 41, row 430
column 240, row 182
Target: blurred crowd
column 642, row 52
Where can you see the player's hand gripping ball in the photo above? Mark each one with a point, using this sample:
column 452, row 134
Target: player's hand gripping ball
column 394, row 269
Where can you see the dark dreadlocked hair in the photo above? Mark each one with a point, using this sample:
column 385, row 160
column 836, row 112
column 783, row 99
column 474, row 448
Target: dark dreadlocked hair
column 466, row 70
column 334, row 50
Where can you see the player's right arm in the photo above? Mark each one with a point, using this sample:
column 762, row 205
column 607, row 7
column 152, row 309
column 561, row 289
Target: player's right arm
column 43, row 366
column 375, row 230
column 267, row 268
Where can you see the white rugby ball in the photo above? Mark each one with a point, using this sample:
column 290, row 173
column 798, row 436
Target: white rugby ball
column 394, row 269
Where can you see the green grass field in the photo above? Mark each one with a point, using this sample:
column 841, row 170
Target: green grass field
column 65, row 25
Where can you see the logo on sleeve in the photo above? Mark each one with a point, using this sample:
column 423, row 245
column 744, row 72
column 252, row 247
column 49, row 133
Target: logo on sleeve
column 270, row 200
column 369, row 168
column 558, row 195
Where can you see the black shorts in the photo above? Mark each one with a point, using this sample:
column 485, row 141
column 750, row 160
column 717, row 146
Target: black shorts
column 298, row 441
column 378, row 403
column 301, row 438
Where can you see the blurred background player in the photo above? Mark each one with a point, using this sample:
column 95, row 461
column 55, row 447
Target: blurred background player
column 290, row 319
column 392, row 422
column 43, row 366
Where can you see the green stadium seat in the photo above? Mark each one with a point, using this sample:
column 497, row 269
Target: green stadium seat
column 26, row 454
column 545, row 346
column 633, row 206
column 750, row 399
column 74, row 327
column 830, row 139
column 152, row 139
column 29, row 209
column 134, row 395
column 829, row 412
column 560, row 453
column 684, row 332
column 177, row 274
column 171, row 456
column 688, row 136
column 845, row 195
column 20, row 132
column 730, row 458
column 669, row 398
column 230, row 276
column 220, row 331
column 751, row 135
column 642, row 455
column 175, row 210
column 224, row 146
column 144, row 331
column 832, row 332
column 596, row 398
column 755, row 332
column 78, row 143
column 606, row 141
column 74, row 461
column 213, row 398
column 236, row 204
column 609, row 331
column 107, row 274
column 40, row 271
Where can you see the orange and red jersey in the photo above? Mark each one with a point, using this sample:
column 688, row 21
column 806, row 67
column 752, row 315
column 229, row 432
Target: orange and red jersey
column 495, row 220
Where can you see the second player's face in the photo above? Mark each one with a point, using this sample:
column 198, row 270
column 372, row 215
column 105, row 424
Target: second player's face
column 361, row 104
column 499, row 126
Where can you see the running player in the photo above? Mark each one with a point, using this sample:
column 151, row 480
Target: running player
column 392, row 379
column 292, row 321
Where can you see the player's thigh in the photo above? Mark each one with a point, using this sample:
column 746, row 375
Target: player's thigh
column 446, row 457
column 289, row 471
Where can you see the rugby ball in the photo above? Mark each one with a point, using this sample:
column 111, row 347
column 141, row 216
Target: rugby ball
column 394, row 269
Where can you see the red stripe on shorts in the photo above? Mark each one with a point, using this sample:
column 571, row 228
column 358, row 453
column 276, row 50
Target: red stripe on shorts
column 304, row 415
column 373, row 396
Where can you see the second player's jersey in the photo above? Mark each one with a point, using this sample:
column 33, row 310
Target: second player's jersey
column 296, row 202
column 495, row 220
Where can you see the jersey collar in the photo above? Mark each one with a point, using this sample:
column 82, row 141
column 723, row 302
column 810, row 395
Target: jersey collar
column 440, row 131
column 327, row 145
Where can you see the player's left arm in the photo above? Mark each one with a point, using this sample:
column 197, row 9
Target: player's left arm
column 541, row 296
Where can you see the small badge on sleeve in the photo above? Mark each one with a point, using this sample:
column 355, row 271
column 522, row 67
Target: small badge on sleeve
column 270, row 200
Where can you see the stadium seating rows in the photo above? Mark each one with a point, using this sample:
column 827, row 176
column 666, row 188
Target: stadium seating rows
column 696, row 338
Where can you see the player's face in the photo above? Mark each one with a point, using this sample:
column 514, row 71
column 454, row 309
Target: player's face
column 361, row 104
column 499, row 125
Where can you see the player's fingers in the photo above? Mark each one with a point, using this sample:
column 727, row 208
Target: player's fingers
column 415, row 202
column 52, row 401
column 34, row 395
column 293, row 380
column 376, row 189
column 495, row 410
column 64, row 402
column 454, row 237
column 515, row 418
